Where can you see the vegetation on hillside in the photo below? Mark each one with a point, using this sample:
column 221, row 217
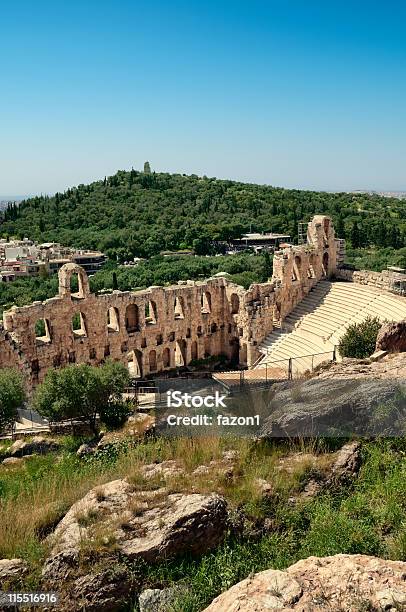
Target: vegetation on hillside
column 12, row 396
column 359, row 340
column 140, row 214
column 367, row 517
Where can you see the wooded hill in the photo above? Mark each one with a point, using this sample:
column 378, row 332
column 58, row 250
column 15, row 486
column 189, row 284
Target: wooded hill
column 140, row 214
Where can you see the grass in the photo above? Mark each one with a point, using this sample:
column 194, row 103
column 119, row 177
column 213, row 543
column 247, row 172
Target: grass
column 368, row 517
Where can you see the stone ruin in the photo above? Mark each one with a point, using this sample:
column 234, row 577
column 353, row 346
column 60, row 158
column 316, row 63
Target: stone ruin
column 161, row 328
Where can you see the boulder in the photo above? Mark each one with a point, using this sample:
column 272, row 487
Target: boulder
column 392, row 337
column 10, row 569
column 148, row 525
column 38, row 444
column 159, row 600
column 337, row 407
column 340, row 582
column 12, row 461
column 104, row 591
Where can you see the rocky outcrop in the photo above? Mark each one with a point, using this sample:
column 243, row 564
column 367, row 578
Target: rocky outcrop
column 337, row 407
column 38, row 445
column 11, row 569
column 160, row 600
column 391, row 366
column 392, row 337
column 341, row 583
column 115, row 519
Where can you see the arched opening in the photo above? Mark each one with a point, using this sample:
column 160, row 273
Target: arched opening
column 180, row 353
column 205, row 302
column 207, row 346
column 194, row 351
column 151, row 316
column 166, row 358
column 213, row 328
column 79, row 328
column 152, row 361
column 235, row 303
column 297, row 267
column 243, row 354
column 326, row 226
column 179, row 308
column 311, row 273
column 132, row 318
column 134, row 361
column 42, row 331
column 113, row 321
column 73, row 281
column 325, row 264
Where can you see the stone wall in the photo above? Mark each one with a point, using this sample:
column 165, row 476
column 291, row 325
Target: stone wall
column 387, row 280
column 161, row 328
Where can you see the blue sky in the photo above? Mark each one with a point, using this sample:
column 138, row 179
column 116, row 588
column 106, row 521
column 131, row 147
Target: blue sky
column 293, row 93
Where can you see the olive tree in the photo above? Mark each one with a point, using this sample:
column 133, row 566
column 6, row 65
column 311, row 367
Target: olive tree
column 81, row 391
column 360, row 338
column 12, row 396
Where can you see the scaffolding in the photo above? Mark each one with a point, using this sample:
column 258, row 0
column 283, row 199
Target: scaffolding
column 302, row 232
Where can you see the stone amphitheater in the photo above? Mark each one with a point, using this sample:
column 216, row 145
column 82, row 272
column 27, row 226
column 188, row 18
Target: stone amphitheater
column 298, row 316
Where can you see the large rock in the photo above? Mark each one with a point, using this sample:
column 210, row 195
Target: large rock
column 341, row 582
column 38, row 444
column 160, row 600
column 151, row 525
column 341, row 407
column 392, row 337
column 11, row 569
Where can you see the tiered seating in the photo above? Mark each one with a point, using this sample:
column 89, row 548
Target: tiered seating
column 317, row 324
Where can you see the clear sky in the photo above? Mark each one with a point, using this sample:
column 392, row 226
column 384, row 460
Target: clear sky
column 293, row 93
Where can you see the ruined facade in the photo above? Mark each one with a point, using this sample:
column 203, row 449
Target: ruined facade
column 162, row 328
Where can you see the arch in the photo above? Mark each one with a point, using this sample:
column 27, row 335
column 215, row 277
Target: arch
column 297, row 268
column 325, row 263
column 311, row 273
column 213, row 328
column 179, row 307
column 205, row 302
column 243, row 354
column 113, row 319
column 66, row 283
column 151, row 316
column 79, row 327
column 42, row 331
column 134, row 363
column 235, row 303
column 194, row 352
column 132, row 318
column 180, row 353
column 152, row 361
column 166, row 357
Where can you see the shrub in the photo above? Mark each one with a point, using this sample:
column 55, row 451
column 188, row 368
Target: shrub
column 81, row 391
column 12, row 396
column 360, row 338
column 114, row 414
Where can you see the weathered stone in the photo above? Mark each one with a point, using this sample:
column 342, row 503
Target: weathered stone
column 150, row 525
column 105, row 591
column 339, row 407
column 12, row 461
column 166, row 469
column 161, row 328
column 392, row 337
column 86, row 449
column 11, row 569
column 341, row 582
column 159, row 600
column 38, row 444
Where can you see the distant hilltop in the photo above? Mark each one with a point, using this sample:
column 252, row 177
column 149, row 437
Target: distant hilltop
column 400, row 195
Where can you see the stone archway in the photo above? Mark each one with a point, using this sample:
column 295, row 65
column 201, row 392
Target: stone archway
column 134, row 360
column 180, row 353
column 65, row 275
column 325, row 263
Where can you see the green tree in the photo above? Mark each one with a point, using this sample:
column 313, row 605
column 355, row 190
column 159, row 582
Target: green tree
column 147, row 168
column 360, row 338
column 12, row 396
column 81, row 391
